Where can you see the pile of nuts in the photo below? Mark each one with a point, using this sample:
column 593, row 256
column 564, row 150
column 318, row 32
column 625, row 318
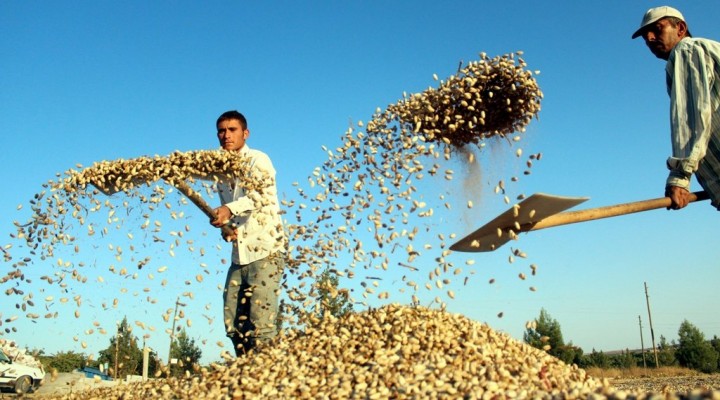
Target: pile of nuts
column 393, row 352
column 390, row 352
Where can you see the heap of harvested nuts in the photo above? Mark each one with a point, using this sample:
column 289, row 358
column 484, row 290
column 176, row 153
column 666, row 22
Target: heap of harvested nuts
column 393, row 352
column 390, row 352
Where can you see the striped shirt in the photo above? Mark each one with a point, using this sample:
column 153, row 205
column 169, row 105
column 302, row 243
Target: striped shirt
column 693, row 83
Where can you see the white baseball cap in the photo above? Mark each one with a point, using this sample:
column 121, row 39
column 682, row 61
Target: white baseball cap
column 655, row 14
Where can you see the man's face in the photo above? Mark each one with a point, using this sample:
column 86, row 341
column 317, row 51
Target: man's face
column 232, row 134
column 660, row 37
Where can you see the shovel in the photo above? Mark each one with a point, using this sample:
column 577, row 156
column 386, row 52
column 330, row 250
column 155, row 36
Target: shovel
column 190, row 194
column 542, row 210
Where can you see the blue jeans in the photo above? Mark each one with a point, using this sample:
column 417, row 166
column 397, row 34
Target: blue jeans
column 251, row 300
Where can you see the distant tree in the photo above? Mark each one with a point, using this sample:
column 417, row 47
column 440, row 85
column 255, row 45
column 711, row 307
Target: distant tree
column 188, row 354
column 623, row 360
column 666, row 353
column 331, row 300
column 64, row 361
column 598, row 359
column 37, row 353
column 129, row 355
column 715, row 343
column 642, row 358
column 570, row 354
column 694, row 351
column 547, row 335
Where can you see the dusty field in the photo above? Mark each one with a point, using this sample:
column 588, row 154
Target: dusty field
column 669, row 384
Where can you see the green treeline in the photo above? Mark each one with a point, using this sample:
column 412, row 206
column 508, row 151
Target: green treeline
column 691, row 350
column 123, row 356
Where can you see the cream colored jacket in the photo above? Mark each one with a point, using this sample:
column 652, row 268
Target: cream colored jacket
column 256, row 214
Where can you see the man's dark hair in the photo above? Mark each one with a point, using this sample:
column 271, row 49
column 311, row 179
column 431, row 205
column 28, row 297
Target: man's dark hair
column 233, row 114
column 674, row 21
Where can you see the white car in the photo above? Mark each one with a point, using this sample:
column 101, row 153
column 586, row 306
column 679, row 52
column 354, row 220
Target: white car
column 21, row 378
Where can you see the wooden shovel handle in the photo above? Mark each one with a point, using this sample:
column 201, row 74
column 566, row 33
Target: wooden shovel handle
column 202, row 204
column 590, row 214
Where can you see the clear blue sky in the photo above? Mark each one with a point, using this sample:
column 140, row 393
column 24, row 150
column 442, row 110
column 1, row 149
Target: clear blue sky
column 92, row 81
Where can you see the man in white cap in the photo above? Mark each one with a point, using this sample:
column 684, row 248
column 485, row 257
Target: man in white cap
column 693, row 83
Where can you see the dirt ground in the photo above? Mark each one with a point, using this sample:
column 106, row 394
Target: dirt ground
column 73, row 382
column 64, row 383
column 668, row 384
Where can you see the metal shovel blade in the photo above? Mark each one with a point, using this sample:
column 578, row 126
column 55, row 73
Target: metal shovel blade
column 519, row 218
column 541, row 211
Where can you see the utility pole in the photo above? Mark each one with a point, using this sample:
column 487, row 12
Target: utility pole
column 146, row 361
column 172, row 333
column 117, row 343
column 652, row 333
column 642, row 345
